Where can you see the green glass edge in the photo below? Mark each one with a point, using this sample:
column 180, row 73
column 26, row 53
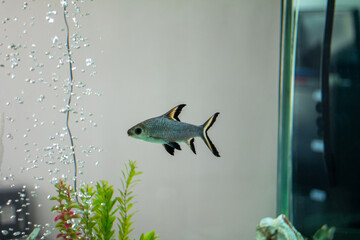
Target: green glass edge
column 286, row 89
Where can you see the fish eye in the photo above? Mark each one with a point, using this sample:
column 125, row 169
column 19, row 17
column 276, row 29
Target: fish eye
column 138, row 131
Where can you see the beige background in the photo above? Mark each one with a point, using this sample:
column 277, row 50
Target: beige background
column 148, row 56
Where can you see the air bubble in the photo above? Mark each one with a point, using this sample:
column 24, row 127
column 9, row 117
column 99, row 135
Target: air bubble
column 52, row 12
column 64, row 110
column 89, row 62
column 49, row 19
column 14, row 65
column 64, row 3
column 20, row 101
column 54, row 179
column 41, row 98
column 55, row 39
column 88, row 91
column 80, row 85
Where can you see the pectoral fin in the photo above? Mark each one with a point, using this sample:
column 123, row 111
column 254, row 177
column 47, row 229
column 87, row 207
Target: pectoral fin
column 169, row 149
column 174, row 145
column 174, row 113
column 190, row 143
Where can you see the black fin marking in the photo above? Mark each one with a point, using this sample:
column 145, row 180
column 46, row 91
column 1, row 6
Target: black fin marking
column 169, row 149
column 174, row 145
column 174, row 113
column 205, row 136
column 190, row 142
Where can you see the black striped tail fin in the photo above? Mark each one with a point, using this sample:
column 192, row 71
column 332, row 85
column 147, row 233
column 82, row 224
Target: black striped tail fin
column 205, row 136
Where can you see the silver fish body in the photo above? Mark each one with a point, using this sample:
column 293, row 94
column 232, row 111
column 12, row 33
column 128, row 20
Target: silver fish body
column 164, row 130
column 168, row 130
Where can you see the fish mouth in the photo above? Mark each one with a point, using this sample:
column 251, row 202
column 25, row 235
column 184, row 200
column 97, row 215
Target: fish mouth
column 129, row 132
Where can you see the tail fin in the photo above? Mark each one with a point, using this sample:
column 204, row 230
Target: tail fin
column 205, row 136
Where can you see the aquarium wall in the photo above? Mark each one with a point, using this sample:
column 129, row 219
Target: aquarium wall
column 320, row 185
column 130, row 61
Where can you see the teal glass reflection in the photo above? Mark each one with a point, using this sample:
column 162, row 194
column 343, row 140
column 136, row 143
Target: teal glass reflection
column 319, row 132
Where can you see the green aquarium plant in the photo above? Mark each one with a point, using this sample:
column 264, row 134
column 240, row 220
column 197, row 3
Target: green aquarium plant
column 104, row 203
column 93, row 214
column 125, row 201
column 87, row 220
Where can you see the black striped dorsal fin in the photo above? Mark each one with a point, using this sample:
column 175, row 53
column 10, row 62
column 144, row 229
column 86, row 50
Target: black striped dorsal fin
column 169, row 149
column 174, row 113
column 190, row 143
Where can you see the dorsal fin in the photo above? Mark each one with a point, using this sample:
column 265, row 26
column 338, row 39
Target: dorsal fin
column 174, row 113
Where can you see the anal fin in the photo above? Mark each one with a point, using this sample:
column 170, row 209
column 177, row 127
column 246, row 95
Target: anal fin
column 190, row 143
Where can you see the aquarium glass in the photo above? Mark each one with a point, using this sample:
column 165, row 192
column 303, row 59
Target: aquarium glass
column 323, row 152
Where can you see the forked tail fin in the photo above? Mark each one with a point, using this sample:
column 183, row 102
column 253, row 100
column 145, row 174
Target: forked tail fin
column 205, row 136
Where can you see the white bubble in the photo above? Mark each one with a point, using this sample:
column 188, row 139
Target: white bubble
column 41, row 98
column 49, row 19
column 55, row 39
column 64, row 3
column 89, row 62
column 9, row 136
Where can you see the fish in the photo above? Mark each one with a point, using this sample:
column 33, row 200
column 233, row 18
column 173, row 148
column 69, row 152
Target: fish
column 168, row 130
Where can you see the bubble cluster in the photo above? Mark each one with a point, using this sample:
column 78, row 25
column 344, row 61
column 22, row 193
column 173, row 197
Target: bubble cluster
column 47, row 86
